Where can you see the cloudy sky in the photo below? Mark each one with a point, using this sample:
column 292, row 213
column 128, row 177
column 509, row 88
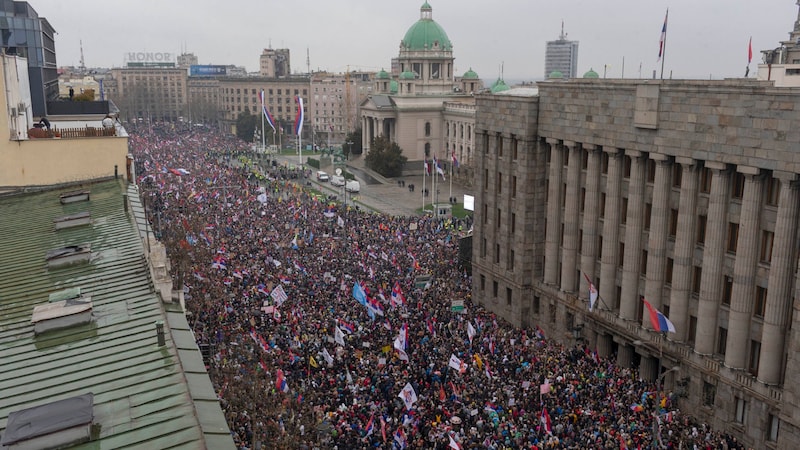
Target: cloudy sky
column 705, row 38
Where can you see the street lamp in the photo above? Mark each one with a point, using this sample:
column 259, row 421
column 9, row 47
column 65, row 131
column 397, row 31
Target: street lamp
column 349, row 149
column 659, row 386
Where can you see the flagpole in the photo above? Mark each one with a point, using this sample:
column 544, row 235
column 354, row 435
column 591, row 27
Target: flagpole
column 424, row 174
column 263, row 130
column 664, row 45
column 450, row 197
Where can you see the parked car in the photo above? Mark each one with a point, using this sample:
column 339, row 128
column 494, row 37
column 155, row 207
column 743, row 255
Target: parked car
column 322, row 176
column 352, row 186
column 337, row 180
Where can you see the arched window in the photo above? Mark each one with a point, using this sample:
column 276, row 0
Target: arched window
column 427, row 149
column 462, row 132
column 427, row 129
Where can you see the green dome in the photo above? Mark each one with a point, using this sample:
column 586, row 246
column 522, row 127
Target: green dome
column 407, row 75
column 383, row 75
column 499, row 86
column 556, row 74
column 591, row 74
column 426, row 34
column 393, row 87
column 470, row 74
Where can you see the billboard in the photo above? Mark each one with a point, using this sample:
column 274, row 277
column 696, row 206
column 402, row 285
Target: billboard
column 207, row 71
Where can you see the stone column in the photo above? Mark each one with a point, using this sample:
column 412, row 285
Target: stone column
column 657, row 238
column 553, row 233
column 608, row 264
column 625, row 356
column 744, row 270
column 569, row 263
column 591, row 214
column 781, row 276
column 604, row 345
column 631, row 268
column 648, row 368
column 685, row 240
column 713, row 256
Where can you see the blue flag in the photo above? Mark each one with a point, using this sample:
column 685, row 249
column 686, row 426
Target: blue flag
column 359, row 295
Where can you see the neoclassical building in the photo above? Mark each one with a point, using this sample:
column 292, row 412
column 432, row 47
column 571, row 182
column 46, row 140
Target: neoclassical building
column 682, row 192
column 426, row 109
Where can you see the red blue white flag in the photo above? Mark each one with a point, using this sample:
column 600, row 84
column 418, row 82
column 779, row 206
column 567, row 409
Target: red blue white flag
column 298, row 120
column 663, row 39
column 266, row 113
column 659, row 321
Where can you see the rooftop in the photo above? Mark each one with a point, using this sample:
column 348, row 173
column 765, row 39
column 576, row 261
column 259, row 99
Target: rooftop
column 144, row 394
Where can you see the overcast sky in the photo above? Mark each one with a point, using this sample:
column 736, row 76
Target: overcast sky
column 705, row 38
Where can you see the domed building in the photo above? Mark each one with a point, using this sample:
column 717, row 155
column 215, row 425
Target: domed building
column 423, row 105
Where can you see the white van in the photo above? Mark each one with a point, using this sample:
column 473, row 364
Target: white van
column 352, row 186
column 337, row 180
column 322, row 176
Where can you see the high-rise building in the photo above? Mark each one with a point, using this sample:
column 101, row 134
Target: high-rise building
column 561, row 56
column 275, row 63
column 186, row 60
column 684, row 194
column 26, row 34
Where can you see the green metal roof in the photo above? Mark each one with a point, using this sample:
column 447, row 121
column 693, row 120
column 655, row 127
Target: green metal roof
column 426, row 34
column 141, row 394
column 470, row 75
column 591, row 74
column 499, row 86
column 393, row 87
column 555, row 74
column 382, row 75
column 407, row 75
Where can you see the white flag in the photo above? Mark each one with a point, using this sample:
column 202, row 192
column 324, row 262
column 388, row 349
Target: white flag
column 454, row 362
column 470, row 331
column 401, row 353
column 339, row 336
column 408, row 396
column 340, row 221
column 279, row 295
column 327, row 356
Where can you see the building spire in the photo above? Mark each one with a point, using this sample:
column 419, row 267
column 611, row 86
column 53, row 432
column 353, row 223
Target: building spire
column 563, row 36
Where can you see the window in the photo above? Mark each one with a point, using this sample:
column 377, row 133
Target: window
column 509, row 295
column 692, row 330
column 627, row 167
column 733, row 236
column 497, row 254
column 483, row 248
column 767, row 238
column 436, row 71
column 498, row 216
column 705, row 180
column 722, row 342
column 485, row 213
column 427, row 129
column 499, row 145
column 514, row 147
column 621, row 254
column 583, row 200
column 483, row 283
column 580, row 246
column 755, row 353
column 701, row 229
column 513, row 222
column 651, row 171
column 604, row 163
column 673, row 223
column 536, row 304
column 709, row 394
column 624, row 211
column 494, row 289
column 499, row 182
column 773, row 191
column 697, row 277
column 600, row 248
column 737, row 191
column 760, row 304
column 677, row 175
column 773, row 424
column 741, row 410
column 643, row 264
column 668, row 271
column 602, row 205
column 485, row 179
column 727, row 290
column 511, row 260
column 514, row 186
column 648, row 211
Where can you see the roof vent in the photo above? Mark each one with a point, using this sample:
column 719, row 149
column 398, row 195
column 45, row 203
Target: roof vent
column 72, row 254
column 58, row 314
column 59, row 424
column 74, row 196
column 73, row 220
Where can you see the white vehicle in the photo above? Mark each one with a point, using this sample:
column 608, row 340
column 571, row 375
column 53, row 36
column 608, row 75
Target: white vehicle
column 337, row 180
column 322, row 176
column 352, row 186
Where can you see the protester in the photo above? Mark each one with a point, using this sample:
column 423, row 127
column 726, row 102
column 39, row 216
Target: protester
column 332, row 327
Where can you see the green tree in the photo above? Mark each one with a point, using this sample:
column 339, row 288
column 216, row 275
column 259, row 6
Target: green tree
column 385, row 157
column 245, row 125
column 355, row 147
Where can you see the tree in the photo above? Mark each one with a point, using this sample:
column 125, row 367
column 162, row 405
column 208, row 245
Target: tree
column 354, row 148
column 385, row 157
column 245, row 125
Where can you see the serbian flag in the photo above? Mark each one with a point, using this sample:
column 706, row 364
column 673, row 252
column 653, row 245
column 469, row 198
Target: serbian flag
column 455, row 161
column 397, row 295
column 298, row 120
column 592, row 292
column 400, row 438
column 438, row 167
column 750, row 51
column 548, row 425
column 663, row 40
column 427, row 167
column 370, row 426
column 266, row 113
column 453, row 444
column 659, row 321
column 280, row 381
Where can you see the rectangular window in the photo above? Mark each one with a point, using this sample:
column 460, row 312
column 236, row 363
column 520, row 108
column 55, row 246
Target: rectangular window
column 497, row 218
column 604, row 163
column 485, row 213
column 755, row 354
column 741, row 411
column 580, row 245
column 767, row 238
column 701, row 229
column 485, row 179
column 774, row 424
column 494, row 289
column 583, row 199
column 668, row 271
column 733, row 236
column 499, row 145
column 483, row 248
column 513, row 223
column 651, row 171
column 509, row 296
column 602, row 205
column 511, row 260
column 514, row 147
column 497, row 253
column 673, row 223
column 722, row 341
column 514, row 186
column 648, row 211
column 627, row 167
column 677, row 175
column 643, row 264
column 760, row 304
column 697, row 277
column 691, row 331
column 536, row 304
column 600, row 248
column 621, row 254
column 624, row 212
column 773, row 191
column 727, row 290
column 499, row 182
column 483, row 283
column 709, row 394
column 737, row 190
column 706, row 175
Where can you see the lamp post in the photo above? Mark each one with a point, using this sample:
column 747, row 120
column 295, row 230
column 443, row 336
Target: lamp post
column 659, row 390
column 349, row 149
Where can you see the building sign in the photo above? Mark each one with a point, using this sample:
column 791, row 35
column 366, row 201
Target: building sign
column 207, row 71
column 150, row 57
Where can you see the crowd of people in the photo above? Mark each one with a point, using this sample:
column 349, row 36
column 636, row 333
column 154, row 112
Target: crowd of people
column 333, row 327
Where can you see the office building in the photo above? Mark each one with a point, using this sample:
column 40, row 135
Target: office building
column 149, row 92
column 275, row 63
column 561, row 56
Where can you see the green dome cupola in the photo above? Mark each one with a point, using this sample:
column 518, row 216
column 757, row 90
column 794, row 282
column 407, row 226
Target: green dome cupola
column 426, row 34
column 470, row 75
column 499, row 86
column 556, row 74
column 591, row 74
column 383, row 75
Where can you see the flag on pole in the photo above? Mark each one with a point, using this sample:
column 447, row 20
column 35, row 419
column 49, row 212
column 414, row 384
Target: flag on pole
column 327, row 356
column 438, row 167
column 453, row 444
column 455, row 161
column 663, row 39
column 370, row 426
column 279, row 295
column 750, row 51
column 339, row 336
column 427, row 167
column 359, row 294
column 470, row 332
column 408, row 395
column 298, row 120
column 592, row 292
column 659, row 321
column 266, row 113
column 455, row 362
column 280, row 381
column 548, row 425
column 400, row 438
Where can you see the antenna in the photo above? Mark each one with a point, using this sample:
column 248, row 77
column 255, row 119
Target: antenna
column 563, row 36
column 308, row 61
column 83, row 64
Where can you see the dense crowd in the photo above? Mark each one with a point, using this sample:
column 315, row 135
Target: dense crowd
column 333, row 327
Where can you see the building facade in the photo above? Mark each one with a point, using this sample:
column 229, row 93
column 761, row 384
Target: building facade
column 684, row 193
column 424, row 107
column 561, row 56
column 149, row 93
column 26, row 34
column 275, row 63
column 333, row 103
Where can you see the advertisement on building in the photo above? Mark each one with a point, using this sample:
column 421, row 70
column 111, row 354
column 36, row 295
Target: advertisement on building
column 207, row 71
